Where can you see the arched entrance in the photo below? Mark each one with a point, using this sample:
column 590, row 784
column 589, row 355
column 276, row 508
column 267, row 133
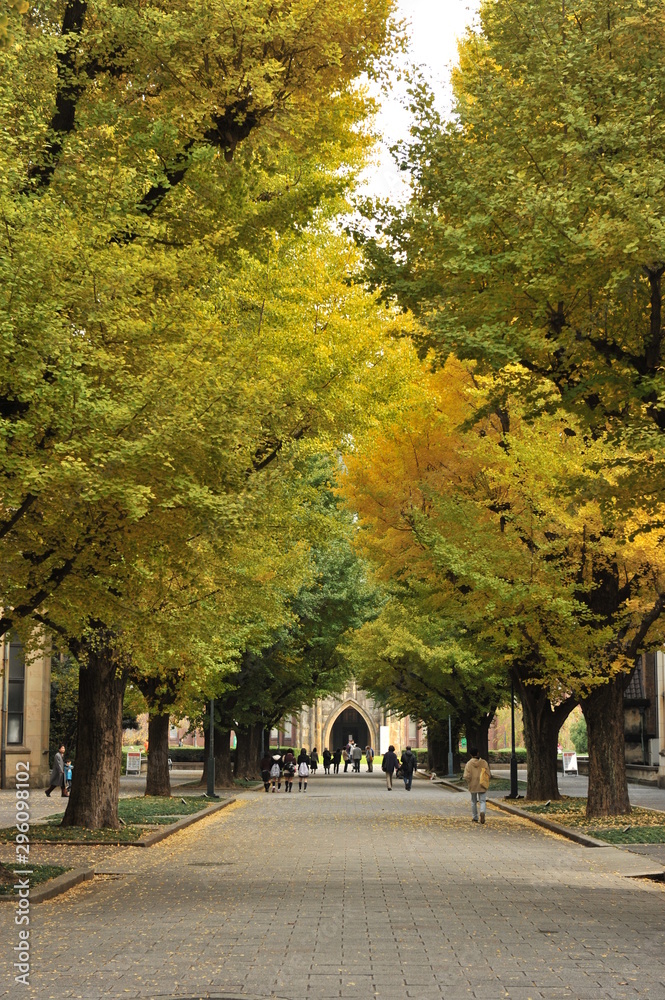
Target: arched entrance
column 349, row 722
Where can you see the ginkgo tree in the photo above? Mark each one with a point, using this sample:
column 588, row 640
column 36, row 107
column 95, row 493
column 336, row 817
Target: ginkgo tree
column 534, row 235
column 159, row 166
column 501, row 553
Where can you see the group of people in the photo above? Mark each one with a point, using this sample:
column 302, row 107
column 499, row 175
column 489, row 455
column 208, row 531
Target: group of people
column 276, row 768
column 352, row 754
column 283, row 767
column 279, row 767
column 61, row 774
column 402, row 767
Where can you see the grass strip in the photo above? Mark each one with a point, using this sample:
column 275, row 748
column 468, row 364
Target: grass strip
column 39, row 874
column 640, row 826
column 141, row 814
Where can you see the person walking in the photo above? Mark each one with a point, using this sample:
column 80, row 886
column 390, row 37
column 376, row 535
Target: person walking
column 369, row 757
column 409, row 764
column 289, row 764
column 276, row 772
column 303, row 773
column 389, row 766
column 313, row 761
column 357, row 755
column 477, row 776
column 266, row 764
column 327, row 757
column 336, row 759
column 57, row 777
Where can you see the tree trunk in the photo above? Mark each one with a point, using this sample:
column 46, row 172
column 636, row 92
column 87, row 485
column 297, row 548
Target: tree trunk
column 604, row 715
column 477, row 733
column 223, row 765
column 93, row 801
column 248, row 752
column 158, row 780
column 542, row 723
column 7, row 876
column 437, row 748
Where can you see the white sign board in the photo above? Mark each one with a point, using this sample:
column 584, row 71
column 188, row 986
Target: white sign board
column 384, row 739
column 133, row 765
column 569, row 762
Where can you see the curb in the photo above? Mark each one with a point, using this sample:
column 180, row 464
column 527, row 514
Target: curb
column 150, row 839
column 55, row 886
column 439, row 781
column 548, row 824
column 154, row 838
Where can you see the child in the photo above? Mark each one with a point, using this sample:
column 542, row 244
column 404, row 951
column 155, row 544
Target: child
column 68, row 775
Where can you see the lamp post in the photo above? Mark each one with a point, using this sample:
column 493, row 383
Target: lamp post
column 513, row 755
column 211, row 753
column 450, row 748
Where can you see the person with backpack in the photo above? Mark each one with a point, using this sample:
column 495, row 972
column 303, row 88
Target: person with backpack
column 389, row 766
column 289, row 764
column 409, row 764
column 477, row 776
column 303, row 772
column 276, row 771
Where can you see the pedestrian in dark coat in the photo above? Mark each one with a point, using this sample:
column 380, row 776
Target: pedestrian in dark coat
column 57, row 779
column 389, row 766
column 289, row 770
column 327, row 757
column 266, row 764
column 313, row 761
column 337, row 756
column 409, row 764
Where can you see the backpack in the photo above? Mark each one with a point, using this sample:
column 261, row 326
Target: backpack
column 484, row 779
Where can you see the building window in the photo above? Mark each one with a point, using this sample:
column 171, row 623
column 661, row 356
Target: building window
column 15, row 693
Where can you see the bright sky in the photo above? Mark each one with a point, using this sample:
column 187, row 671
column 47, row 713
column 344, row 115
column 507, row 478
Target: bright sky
column 435, row 26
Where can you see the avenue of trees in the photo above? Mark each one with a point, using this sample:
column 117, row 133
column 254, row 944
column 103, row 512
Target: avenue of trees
column 242, row 457
column 527, row 527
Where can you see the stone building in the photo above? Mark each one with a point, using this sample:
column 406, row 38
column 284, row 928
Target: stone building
column 329, row 722
column 25, row 717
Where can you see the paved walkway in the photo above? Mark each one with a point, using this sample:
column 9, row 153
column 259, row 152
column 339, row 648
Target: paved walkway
column 349, row 891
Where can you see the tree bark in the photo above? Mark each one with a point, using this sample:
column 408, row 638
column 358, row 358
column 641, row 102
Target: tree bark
column 248, row 752
column 477, row 733
column 223, row 765
column 542, row 722
column 7, row 876
column 437, row 748
column 93, row 801
column 158, row 780
column 604, row 715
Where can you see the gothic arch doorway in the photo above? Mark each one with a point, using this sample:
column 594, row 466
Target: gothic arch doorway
column 350, row 721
